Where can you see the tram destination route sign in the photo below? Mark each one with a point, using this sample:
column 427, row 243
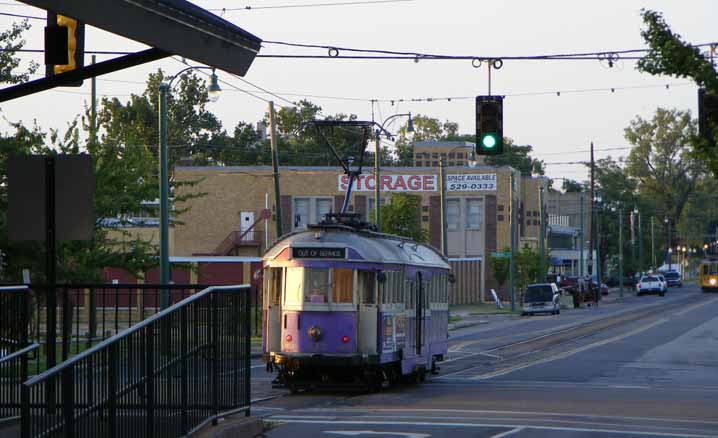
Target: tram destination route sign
column 318, row 253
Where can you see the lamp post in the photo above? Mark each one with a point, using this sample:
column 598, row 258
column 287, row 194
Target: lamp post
column 213, row 93
column 377, row 162
column 670, row 245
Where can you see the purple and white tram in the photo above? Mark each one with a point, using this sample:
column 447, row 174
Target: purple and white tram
column 345, row 306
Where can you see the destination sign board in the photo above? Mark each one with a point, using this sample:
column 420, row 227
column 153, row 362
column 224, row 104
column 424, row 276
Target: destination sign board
column 318, row 253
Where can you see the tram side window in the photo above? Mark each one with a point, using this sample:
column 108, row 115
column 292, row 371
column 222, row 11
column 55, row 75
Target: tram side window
column 317, row 285
column 273, row 281
column 367, row 283
column 343, row 286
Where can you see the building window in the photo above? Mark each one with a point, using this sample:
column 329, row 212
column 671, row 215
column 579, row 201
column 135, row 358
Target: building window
column 323, row 206
column 460, row 155
column 419, row 163
column 501, row 207
column 301, row 213
column 452, row 155
column 452, row 163
column 474, row 212
column 501, row 218
column 425, row 208
column 434, row 155
column 434, row 164
column 452, row 214
column 425, row 218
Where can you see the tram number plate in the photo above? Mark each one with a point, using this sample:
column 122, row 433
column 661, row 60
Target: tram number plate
column 319, row 253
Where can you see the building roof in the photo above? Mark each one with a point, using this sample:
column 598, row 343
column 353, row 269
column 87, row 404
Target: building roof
column 336, row 169
column 447, row 144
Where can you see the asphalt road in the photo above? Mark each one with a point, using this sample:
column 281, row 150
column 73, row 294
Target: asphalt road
column 645, row 367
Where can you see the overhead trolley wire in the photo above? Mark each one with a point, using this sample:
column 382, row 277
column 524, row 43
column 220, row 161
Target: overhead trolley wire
column 310, row 5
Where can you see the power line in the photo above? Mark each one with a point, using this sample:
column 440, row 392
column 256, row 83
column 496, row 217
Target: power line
column 309, row 5
column 30, row 17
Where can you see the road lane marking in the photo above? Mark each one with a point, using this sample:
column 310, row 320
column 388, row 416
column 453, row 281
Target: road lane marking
column 507, row 433
column 695, row 306
column 372, row 432
column 535, row 413
column 568, row 353
column 477, row 425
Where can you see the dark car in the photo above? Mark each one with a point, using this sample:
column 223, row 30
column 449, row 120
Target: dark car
column 673, row 278
column 568, row 283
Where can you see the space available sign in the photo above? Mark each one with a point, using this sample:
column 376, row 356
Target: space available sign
column 473, row 182
column 421, row 183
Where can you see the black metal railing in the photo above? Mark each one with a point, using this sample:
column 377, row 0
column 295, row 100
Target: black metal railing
column 163, row 377
column 13, row 372
column 14, row 318
column 68, row 319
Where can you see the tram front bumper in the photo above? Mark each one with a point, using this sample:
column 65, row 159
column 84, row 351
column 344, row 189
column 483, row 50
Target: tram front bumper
column 300, row 360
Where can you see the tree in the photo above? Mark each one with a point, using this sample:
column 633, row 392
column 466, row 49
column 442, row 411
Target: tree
column 517, row 157
column 669, row 55
column 571, row 186
column 528, row 267
column 425, row 128
column 11, row 42
column 401, row 217
column 661, row 160
column 500, row 268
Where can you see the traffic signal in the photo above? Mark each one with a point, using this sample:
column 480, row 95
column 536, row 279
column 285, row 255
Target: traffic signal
column 489, row 125
column 707, row 116
column 64, row 45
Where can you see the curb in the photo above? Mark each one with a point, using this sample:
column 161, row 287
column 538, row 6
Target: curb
column 233, row 428
column 458, row 326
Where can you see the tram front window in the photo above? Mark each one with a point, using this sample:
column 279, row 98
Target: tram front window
column 317, row 284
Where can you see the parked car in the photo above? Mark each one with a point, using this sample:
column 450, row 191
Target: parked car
column 673, row 278
column 568, row 283
column 651, row 284
column 541, row 298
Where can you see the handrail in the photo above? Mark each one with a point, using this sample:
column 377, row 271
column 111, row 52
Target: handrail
column 17, row 288
column 137, row 327
column 106, row 285
column 29, row 348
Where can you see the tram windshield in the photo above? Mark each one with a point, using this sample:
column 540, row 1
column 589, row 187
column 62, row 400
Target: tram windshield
column 710, row 269
column 319, row 286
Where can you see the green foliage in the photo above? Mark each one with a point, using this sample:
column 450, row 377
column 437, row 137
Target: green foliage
column 661, row 161
column 401, row 217
column 500, row 268
column 426, row 128
column 571, row 186
column 528, row 267
column 670, row 55
column 10, row 42
column 517, row 157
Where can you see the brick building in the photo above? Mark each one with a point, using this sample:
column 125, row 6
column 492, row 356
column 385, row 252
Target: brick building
column 478, row 213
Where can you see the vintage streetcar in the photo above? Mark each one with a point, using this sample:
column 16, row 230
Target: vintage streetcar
column 708, row 274
column 345, row 306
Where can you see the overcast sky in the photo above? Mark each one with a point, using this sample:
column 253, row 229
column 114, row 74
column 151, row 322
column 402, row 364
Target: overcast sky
column 559, row 127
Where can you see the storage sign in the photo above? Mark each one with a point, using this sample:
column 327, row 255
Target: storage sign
column 471, row 182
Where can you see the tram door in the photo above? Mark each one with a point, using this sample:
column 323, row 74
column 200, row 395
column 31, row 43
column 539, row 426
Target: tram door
column 368, row 312
column 419, row 321
column 274, row 283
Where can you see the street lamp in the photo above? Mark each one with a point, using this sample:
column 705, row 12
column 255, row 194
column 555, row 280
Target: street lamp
column 213, row 94
column 377, row 160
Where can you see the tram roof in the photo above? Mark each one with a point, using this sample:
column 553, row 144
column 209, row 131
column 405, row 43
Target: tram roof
column 367, row 246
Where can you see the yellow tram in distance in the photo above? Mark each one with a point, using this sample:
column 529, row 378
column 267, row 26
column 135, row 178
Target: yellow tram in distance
column 708, row 274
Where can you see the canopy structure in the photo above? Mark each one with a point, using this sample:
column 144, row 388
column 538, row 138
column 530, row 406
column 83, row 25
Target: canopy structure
column 169, row 27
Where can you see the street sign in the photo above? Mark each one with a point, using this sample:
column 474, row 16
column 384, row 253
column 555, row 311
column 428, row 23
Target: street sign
column 500, row 255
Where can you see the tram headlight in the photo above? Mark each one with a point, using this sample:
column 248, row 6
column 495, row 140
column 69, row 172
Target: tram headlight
column 712, row 281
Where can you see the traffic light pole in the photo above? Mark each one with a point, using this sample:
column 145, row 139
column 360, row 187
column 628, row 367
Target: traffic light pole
column 542, row 236
column 620, row 252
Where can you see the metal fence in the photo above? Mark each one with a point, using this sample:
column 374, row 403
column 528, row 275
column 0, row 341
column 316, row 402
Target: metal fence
column 163, row 377
column 13, row 372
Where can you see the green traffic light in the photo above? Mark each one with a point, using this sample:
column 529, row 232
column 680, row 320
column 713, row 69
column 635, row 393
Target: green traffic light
column 488, row 141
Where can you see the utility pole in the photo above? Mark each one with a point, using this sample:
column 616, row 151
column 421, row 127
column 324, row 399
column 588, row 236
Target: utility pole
column 512, row 255
column 620, row 252
column 442, row 194
column 275, row 168
column 640, row 242
column 93, row 109
column 592, row 227
column 582, row 241
column 377, row 181
column 542, row 236
column 653, row 244
column 164, row 199
column 670, row 245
